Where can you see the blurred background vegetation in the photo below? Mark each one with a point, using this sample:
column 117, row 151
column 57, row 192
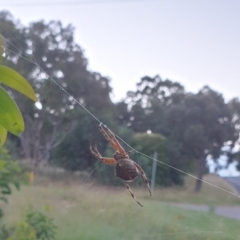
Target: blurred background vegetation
column 159, row 116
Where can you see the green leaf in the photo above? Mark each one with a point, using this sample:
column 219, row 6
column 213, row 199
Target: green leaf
column 2, row 45
column 10, row 116
column 13, row 79
column 3, row 135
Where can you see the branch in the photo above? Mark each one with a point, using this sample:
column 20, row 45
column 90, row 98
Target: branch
column 53, row 142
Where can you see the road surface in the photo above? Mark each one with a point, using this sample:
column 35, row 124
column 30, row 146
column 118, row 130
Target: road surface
column 225, row 211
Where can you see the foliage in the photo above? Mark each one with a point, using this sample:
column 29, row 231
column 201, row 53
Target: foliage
column 77, row 145
column 195, row 125
column 4, row 153
column 35, row 226
column 150, row 144
column 10, row 175
column 42, row 225
column 231, row 151
column 58, row 57
column 204, row 126
column 22, row 231
column 11, row 119
column 4, row 232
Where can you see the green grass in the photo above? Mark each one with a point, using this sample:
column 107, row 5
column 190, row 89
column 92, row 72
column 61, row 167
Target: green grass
column 208, row 195
column 87, row 211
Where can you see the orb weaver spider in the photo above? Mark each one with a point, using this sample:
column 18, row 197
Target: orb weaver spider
column 125, row 168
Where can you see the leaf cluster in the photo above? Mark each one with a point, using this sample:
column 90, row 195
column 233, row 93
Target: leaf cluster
column 10, row 175
column 10, row 116
column 36, row 225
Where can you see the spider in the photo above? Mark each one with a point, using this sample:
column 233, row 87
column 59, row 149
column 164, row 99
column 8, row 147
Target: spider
column 125, row 168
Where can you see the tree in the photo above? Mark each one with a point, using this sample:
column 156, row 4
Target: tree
column 231, row 149
column 147, row 105
column 149, row 144
column 54, row 55
column 147, row 109
column 194, row 125
column 203, row 127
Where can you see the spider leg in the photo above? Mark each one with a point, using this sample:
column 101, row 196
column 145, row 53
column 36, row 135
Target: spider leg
column 95, row 153
column 110, row 137
column 144, row 177
column 130, row 151
column 128, row 187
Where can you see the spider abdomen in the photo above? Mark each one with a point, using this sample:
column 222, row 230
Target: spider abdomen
column 126, row 170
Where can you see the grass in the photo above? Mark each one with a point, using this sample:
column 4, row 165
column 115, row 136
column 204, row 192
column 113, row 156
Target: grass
column 208, row 195
column 86, row 211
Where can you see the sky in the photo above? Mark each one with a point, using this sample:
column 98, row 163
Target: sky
column 193, row 42
column 225, row 170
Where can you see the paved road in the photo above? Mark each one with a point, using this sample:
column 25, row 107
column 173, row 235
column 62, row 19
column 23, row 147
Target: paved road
column 235, row 182
column 225, row 211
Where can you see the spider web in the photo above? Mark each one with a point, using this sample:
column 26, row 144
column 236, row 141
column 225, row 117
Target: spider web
column 153, row 218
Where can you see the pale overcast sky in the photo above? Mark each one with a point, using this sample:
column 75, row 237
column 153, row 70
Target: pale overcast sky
column 195, row 42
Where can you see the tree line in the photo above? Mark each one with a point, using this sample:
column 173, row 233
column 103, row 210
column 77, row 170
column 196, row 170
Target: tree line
column 158, row 116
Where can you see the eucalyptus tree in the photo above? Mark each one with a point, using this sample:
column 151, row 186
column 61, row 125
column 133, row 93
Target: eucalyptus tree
column 194, row 125
column 203, row 126
column 47, row 55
